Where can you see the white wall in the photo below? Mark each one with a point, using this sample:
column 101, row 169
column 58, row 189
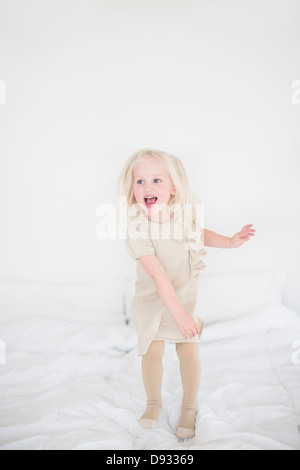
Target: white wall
column 89, row 82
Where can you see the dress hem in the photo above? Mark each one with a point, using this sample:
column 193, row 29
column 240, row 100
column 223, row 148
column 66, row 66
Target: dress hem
column 171, row 340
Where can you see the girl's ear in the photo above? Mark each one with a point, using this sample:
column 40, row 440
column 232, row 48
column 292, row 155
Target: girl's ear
column 173, row 192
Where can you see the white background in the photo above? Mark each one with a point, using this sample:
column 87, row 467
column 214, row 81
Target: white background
column 88, row 82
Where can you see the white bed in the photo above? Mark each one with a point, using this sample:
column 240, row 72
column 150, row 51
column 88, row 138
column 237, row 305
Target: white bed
column 72, row 375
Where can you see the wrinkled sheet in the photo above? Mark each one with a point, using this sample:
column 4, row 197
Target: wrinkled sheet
column 78, row 386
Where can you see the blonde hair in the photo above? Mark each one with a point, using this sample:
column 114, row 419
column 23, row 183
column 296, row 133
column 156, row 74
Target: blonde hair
column 184, row 194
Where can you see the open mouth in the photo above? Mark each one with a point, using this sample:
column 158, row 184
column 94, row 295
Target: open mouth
column 150, row 201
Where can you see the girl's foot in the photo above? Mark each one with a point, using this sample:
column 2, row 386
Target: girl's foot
column 148, row 423
column 150, row 417
column 186, row 426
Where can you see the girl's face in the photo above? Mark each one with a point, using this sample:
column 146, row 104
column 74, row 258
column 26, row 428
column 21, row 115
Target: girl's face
column 152, row 179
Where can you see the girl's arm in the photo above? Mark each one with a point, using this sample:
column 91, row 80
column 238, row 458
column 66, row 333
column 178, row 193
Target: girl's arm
column 220, row 241
column 215, row 240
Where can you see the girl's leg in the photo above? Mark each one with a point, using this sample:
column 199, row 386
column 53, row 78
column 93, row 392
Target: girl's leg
column 190, row 369
column 152, row 372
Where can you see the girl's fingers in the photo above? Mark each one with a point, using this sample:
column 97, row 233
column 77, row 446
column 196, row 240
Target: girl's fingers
column 190, row 332
column 196, row 331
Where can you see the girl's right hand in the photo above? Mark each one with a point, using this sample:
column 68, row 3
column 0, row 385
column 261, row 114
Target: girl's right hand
column 187, row 325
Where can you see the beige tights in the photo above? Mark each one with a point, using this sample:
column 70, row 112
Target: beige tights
column 152, row 372
column 190, row 369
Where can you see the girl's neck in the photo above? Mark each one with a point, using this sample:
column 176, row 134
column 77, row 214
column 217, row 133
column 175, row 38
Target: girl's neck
column 161, row 218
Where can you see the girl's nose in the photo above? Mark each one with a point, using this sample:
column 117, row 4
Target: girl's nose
column 148, row 188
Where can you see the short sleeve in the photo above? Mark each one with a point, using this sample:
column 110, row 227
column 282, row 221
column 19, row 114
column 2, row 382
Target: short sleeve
column 139, row 246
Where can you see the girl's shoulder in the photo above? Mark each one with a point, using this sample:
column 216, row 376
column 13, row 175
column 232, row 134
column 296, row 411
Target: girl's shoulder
column 137, row 226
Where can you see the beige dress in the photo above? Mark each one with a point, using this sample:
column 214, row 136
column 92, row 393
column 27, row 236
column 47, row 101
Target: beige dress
column 181, row 258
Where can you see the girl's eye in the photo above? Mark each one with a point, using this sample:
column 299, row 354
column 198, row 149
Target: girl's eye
column 156, row 179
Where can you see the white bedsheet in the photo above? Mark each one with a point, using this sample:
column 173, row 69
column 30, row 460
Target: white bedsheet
column 78, row 386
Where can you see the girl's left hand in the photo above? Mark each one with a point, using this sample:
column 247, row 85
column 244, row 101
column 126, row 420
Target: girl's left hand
column 243, row 236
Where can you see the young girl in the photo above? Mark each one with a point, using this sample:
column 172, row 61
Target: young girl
column 165, row 235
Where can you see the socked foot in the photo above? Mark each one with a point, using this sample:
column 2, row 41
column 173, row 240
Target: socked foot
column 151, row 416
column 186, row 426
